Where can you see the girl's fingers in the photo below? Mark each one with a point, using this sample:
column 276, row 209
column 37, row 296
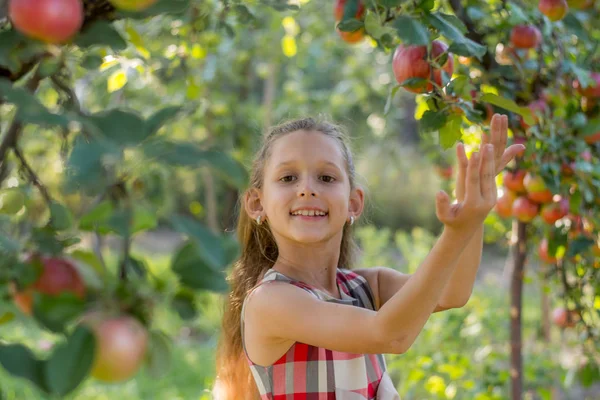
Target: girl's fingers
column 442, row 206
column 499, row 135
column 508, row 155
column 463, row 163
column 473, row 182
column 488, row 181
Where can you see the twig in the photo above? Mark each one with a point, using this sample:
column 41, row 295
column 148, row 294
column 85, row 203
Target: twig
column 11, row 136
column 32, row 175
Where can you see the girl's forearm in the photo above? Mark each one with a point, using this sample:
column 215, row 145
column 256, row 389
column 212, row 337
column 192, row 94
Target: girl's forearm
column 402, row 317
column 460, row 286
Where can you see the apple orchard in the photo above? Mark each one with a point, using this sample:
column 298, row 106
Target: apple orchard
column 537, row 62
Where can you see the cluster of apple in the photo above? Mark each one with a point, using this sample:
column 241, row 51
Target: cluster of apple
column 57, row 21
column 526, row 195
column 121, row 340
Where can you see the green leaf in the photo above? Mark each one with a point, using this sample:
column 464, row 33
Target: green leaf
column 188, row 154
column 183, row 303
column 101, row 33
column 159, row 118
column 92, row 61
column 350, row 25
column 143, row 219
column 97, row 215
column 30, row 110
column 579, row 245
column 60, row 217
column 9, row 40
column 12, row 201
column 350, row 9
column 193, row 271
column 411, row 31
column 451, row 132
column 432, row 121
column 137, row 266
column 85, row 167
column 20, row 362
column 390, row 99
column 209, row 245
column 120, row 126
column 373, row 25
column 461, row 45
column 158, row 356
column 509, row 105
column 415, row 83
column 576, row 27
column 71, row 362
column 588, row 374
column 592, row 128
column 6, row 317
column 54, row 312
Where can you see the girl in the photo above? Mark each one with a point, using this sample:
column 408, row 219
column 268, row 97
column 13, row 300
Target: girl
column 299, row 323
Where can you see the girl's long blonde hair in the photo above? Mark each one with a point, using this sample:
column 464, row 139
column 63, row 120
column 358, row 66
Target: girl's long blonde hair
column 259, row 253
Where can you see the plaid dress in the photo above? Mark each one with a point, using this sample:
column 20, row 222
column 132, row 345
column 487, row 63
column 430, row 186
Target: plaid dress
column 312, row 373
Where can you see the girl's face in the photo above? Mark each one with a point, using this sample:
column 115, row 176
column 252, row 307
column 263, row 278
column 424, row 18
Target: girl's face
column 306, row 174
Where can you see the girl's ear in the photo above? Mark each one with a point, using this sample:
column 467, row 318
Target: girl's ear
column 252, row 203
column 357, row 202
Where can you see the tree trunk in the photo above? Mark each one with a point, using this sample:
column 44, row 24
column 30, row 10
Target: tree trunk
column 516, row 300
column 545, row 299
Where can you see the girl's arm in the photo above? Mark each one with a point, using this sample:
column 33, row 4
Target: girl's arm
column 282, row 312
column 278, row 312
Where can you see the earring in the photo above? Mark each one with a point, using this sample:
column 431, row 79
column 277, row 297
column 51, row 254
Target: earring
column 351, row 220
column 258, row 219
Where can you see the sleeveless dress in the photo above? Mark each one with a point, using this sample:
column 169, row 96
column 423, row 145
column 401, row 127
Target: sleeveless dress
column 312, row 373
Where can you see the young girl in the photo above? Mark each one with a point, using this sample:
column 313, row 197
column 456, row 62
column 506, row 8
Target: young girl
column 299, row 323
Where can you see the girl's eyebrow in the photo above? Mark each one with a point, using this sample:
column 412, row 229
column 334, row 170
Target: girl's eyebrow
column 286, row 163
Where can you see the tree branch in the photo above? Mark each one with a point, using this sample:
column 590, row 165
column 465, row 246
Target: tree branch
column 32, row 175
column 11, row 136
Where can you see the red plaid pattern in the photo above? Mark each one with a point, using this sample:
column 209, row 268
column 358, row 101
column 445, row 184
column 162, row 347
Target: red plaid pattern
column 307, row 372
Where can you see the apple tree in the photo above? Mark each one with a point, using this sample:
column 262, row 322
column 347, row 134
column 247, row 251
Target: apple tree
column 538, row 63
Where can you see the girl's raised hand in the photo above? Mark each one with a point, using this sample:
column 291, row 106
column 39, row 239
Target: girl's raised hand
column 502, row 156
column 480, row 194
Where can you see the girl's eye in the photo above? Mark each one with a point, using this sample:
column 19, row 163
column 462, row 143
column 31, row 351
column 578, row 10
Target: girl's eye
column 285, row 178
column 328, row 179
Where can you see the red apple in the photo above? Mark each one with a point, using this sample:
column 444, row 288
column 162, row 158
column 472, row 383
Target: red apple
column 504, row 204
column 536, row 188
column 543, row 252
column 590, row 139
column 553, row 9
column 411, row 62
column 58, row 276
column 121, row 343
column 132, row 5
column 593, row 90
column 513, row 180
column 552, row 212
column 525, row 36
column 338, row 12
column 524, row 209
column 564, row 318
column 444, row 172
column 567, row 169
column 52, row 21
